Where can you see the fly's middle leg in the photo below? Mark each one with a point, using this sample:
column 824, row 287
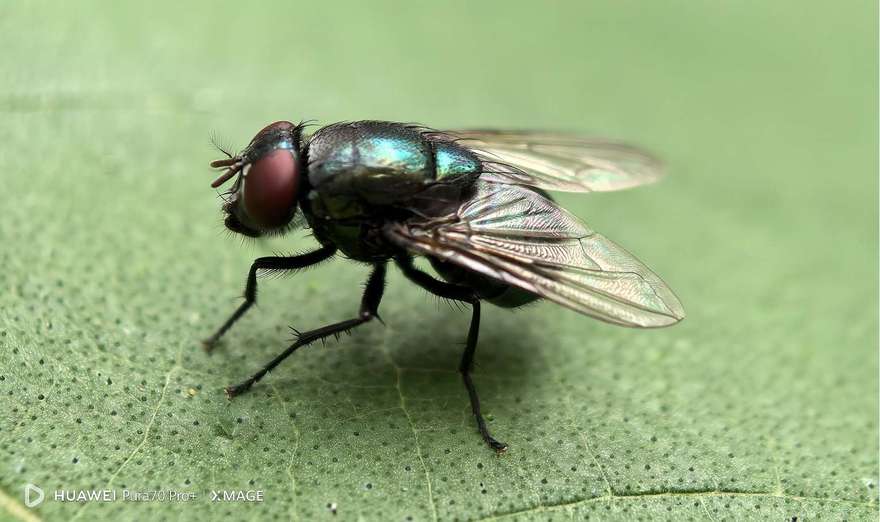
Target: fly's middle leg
column 369, row 310
column 250, row 290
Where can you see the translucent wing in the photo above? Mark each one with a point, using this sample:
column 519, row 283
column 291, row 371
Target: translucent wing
column 518, row 236
column 556, row 161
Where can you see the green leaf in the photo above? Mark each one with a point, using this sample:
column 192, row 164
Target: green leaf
column 761, row 405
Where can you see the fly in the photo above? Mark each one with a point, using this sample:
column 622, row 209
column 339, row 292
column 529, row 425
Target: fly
column 472, row 202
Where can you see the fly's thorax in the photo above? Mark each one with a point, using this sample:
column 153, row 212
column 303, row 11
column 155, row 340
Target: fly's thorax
column 378, row 162
column 329, row 204
column 348, row 224
column 363, row 174
column 384, row 163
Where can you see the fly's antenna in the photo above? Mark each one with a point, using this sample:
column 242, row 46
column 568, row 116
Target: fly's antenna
column 233, row 166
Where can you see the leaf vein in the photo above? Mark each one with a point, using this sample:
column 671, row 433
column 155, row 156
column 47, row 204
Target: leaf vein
column 143, row 441
column 699, row 495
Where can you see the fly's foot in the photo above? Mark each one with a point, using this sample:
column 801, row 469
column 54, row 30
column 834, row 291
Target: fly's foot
column 209, row 344
column 238, row 389
column 499, row 447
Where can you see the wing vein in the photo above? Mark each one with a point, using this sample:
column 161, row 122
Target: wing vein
column 518, row 236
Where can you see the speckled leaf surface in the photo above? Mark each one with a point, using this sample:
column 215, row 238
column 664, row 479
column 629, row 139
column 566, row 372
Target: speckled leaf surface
column 761, row 405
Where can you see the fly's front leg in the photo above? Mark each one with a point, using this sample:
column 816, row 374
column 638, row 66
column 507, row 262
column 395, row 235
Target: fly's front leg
column 250, row 290
column 465, row 294
column 369, row 309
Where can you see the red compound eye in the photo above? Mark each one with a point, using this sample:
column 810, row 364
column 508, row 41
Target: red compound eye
column 270, row 188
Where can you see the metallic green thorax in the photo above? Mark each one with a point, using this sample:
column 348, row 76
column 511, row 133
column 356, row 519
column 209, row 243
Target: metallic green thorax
column 360, row 171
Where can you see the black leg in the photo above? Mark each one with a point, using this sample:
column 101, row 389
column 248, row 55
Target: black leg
column 250, row 290
column 375, row 287
column 467, row 364
column 459, row 293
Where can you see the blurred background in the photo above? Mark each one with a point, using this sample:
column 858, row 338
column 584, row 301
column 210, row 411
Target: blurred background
column 762, row 404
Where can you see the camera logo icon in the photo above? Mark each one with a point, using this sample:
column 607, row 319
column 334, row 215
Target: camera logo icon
column 33, row 495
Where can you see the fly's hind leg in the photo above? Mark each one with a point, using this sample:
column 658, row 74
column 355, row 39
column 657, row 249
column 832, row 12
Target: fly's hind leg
column 465, row 294
column 369, row 309
column 466, row 366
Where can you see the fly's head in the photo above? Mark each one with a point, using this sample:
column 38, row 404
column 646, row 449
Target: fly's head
column 268, row 176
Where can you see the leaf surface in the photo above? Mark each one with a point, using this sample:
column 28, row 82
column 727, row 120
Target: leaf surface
column 761, row 405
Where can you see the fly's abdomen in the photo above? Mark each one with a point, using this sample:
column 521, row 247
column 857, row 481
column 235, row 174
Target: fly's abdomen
column 492, row 290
